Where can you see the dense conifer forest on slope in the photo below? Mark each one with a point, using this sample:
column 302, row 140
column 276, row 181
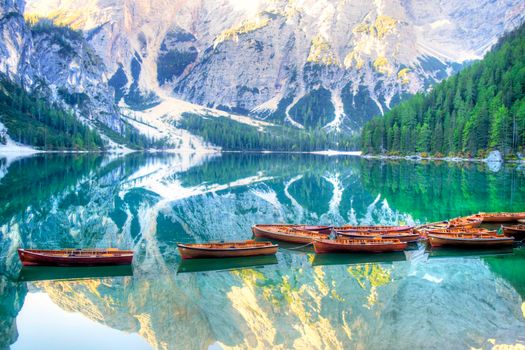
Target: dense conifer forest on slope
column 482, row 108
column 32, row 120
column 231, row 135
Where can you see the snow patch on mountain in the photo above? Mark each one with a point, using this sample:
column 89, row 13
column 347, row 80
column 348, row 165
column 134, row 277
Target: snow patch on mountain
column 11, row 150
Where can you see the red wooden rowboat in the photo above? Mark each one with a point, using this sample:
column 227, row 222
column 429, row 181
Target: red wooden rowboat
column 500, row 217
column 349, row 228
column 516, row 231
column 286, row 234
column 402, row 236
column 344, row 245
column 468, row 240
column 319, row 228
column 75, row 257
column 226, row 249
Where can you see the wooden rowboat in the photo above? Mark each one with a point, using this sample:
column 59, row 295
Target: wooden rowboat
column 465, row 222
column 516, row 231
column 467, row 240
column 459, row 230
column 437, row 228
column 500, row 217
column 456, row 223
column 75, row 257
column 402, row 236
column 292, row 235
column 422, row 230
column 343, row 245
column 226, row 249
column 349, row 228
column 319, row 228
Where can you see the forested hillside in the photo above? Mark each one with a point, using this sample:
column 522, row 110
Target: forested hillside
column 480, row 109
column 33, row 120
column 234, row 136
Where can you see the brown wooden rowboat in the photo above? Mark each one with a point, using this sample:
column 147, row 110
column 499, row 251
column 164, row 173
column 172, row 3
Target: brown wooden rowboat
column 314, row 228
column 75, row 257
column 467, row 240
column 402, row 236
column 344, row 245
column 516, row 231
column 460, row 230
column 226, row 249
column 422, row 230
column 350, row 228
column 285, row 234
column 465, row 222
column 456, row 223
column 501, row 217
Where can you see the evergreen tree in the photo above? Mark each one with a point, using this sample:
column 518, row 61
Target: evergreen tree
column 478, row 110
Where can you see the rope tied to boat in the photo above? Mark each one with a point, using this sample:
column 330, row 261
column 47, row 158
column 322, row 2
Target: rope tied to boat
column 301, row 246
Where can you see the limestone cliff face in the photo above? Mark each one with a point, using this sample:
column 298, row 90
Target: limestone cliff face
column 14, row 36
column 273, row 59
column 57, row 62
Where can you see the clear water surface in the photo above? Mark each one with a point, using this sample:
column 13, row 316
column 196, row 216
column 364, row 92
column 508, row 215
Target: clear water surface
column 418, row 299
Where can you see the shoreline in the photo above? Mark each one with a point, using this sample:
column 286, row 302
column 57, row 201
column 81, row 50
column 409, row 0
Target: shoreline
column 19, row 151
column 27, row 151
column 444, row 159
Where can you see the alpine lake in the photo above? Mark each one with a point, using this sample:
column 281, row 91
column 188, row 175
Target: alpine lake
column 419, row 299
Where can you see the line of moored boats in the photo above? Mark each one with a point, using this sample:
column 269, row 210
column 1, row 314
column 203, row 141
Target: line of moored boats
column 461, row 232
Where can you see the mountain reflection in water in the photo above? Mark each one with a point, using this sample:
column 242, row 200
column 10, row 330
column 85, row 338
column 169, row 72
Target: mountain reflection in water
column 147, row 202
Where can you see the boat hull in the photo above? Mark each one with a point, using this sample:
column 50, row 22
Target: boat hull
column 29, row 258
column 482, row 242
column 332, row 246
column 325, row 230
column 286, row 237
column 403, row 237
column 462, row 230
column 465, row 224
column 382, row 229
column 188, row 252
column 510, row 217
column 517, row 233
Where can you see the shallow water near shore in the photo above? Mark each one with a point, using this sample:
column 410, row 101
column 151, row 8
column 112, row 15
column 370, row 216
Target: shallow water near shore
column 437, row 299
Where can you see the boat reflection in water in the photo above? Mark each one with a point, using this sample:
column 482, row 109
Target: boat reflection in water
column 451, row 252
column 46, row 273
column 203, row 265
column 356, row 258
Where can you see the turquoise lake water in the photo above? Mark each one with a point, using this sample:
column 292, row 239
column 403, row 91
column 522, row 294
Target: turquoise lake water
column 419, row 299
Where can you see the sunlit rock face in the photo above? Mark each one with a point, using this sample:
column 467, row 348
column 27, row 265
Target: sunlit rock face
column 264, row 58
column 13, row 35
column 58, row 63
